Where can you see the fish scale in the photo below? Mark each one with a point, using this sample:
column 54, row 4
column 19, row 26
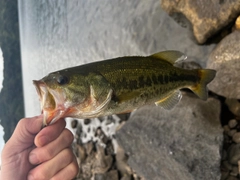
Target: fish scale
column 119, row 85
column 140, row 79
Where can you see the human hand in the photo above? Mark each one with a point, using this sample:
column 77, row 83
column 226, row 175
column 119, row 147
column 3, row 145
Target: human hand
column 35, row 153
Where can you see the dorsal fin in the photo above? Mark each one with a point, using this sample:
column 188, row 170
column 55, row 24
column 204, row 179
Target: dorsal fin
column 170, row 56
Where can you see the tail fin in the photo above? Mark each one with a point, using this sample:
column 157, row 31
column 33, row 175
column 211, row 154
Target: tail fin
column 200, row 89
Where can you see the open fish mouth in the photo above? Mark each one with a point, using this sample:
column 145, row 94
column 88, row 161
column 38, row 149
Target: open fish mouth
column 49, row 103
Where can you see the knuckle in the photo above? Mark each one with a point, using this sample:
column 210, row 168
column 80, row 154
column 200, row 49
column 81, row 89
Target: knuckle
column 55, row 178
column 38, row 175
column 68, row 153
column 68, row 156
column 70, row 171
column 68, row 136
column 48, row 153
column 22, row 122
column 74, row 169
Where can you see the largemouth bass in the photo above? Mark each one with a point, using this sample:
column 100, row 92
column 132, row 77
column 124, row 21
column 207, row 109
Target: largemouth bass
column 118, row 85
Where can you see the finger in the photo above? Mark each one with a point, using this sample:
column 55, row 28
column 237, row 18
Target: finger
column 49, row 133
column 47, row 152
column 25, row 132
column 68, row 172
column 49, row 168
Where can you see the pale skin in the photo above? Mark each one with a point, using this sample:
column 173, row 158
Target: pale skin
column 33, row 153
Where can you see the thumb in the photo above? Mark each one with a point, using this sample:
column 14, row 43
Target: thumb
column 25, row 132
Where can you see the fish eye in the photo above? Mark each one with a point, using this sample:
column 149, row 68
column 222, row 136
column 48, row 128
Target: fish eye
column 62, row 80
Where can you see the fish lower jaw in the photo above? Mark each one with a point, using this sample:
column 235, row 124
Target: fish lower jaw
column 51, row 117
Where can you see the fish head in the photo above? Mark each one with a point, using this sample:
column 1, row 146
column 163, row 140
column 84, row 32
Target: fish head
column 60, row 93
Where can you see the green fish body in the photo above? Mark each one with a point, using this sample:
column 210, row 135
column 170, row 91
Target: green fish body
column 119, row 85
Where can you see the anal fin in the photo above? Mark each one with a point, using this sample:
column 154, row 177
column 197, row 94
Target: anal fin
column 170, row 101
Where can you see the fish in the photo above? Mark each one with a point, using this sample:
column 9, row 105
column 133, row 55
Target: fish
column 119, row 85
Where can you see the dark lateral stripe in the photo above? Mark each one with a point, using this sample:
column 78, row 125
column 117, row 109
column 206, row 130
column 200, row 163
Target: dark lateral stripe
column 147, row 81
column 127, row 84
column 141, row 81
column 183, row 77
column 154, row 79
column 160, row 79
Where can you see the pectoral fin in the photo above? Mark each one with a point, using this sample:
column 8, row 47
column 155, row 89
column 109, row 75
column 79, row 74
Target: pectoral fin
column 170, row 101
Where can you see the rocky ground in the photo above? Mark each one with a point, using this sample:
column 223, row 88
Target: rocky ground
column 99, row 155
column 197, row 139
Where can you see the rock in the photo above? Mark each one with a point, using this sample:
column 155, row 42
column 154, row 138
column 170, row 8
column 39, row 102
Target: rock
column 98, row 154
column 184, row 142
column 236, row 137
column 89, row 147
column 225, row 58
column 234, row 171
column 100, row 177
column 226, row 129
column 226, row 166
column 232, row 178
column 234, row 106
column 111, row 175
column 87, row 121
column 207, row 17
column 81, row 153
column 239, row 166
column 232, row 132
column 234, row 154
column 126, row 177
column 237, row 23
column 225, row 174
column 102, row 162
column 232, row 123
column 121, row 162
column 74, row 123
column 224, row 154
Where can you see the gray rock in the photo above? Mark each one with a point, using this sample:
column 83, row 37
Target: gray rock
column 234, row 171
column 121, row 162
column 234, row 106
column 183, row 143
column 234, row 154
column 225, row 58
column 225, row 175
column 232, row 178
column 232, row 123
column 206, row 16
column 111, row 175
column 232, row 132
column 103, row 162
column 239, row 166
column 226, row 166
column 226, row 129
column 236, row 137
column 224, row 154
